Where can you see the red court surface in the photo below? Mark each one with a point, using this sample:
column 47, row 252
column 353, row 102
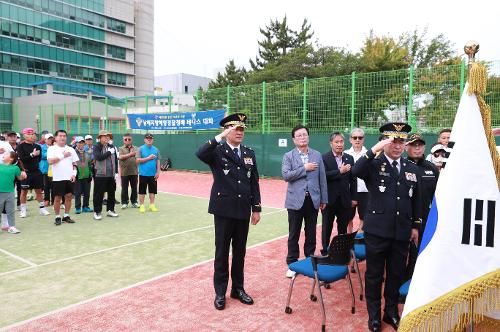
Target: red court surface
column 199, row 184
column 182, row 301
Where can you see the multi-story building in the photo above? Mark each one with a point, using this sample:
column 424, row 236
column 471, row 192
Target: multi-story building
column 102, row 46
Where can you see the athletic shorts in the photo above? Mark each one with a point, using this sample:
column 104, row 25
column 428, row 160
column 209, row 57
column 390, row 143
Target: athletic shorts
column 34, row 180
column 61, row 188
column 147, row 182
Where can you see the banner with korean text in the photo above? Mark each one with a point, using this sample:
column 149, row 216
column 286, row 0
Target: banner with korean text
column 176, row 121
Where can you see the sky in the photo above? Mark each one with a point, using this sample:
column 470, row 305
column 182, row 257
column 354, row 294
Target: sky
column 199, row 37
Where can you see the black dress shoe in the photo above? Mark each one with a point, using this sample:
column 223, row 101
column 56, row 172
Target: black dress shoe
column 220, row 302
column 374, row 325
column 242, row 296
column 391, row 320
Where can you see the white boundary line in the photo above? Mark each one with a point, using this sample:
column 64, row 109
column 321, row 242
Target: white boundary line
column 33, row 265
column 128, row 287
column 24, row 260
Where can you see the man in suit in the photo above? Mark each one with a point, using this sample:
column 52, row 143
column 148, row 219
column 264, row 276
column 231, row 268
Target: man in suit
column 392, row 220
column 307, row 192
column 341, row 189
column 234, row 199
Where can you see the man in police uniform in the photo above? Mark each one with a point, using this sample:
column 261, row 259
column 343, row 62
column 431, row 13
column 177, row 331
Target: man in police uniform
column 429, row 174
column 392, row 219
column 234, row 199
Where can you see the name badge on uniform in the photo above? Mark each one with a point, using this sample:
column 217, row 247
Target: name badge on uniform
column 411, row 176
column 248, row 161
column 383, row 173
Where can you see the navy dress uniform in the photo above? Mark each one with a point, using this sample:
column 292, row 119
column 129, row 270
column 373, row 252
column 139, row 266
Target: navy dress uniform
column 393, row 209
column 235, row 194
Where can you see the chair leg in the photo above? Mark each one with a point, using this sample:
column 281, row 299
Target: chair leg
column 322, row 304
column 353, row 308
column 312, row 296
column 360, row 280
column 288, row 310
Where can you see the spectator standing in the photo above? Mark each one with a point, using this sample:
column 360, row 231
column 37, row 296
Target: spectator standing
column 5, row 148
column 63, row 159
column 12, row 140
column 8, row 172
column 83, row 178
column 148, row 158
column 30, row 154
column 44, row 168
column 106, row 169
column 128, row 171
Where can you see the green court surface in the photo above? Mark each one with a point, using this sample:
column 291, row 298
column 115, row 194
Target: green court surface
column 47, row 267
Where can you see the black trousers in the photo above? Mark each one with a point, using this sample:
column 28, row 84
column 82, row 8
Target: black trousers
column 229, row 232
column 126, row 180
column 47, row 189
column 329, row 213
column 82, row 188
column 412, row 256
column 310, row 216
column 389, row 255
column 102, row 185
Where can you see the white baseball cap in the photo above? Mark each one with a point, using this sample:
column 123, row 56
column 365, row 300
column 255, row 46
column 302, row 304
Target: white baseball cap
column 48, row 135
column 88, row 137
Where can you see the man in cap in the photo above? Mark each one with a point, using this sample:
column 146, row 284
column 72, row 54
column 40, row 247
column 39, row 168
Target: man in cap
column 106, row 170
column 30, row 155
column 234, row 199
column 392, row 219
column 129, row 171
column 148, row 159
column 428, row 173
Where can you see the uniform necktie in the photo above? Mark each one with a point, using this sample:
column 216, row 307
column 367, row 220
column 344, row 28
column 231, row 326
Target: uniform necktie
column 236, row 151
column 395, row 165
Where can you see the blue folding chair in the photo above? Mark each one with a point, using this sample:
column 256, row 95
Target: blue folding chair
column 325, row 270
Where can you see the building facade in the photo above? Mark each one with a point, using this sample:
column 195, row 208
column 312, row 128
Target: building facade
column 103, row 46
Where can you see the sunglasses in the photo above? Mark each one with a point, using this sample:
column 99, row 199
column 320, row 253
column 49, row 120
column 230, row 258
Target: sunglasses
column 359, row 138
column 127, row 139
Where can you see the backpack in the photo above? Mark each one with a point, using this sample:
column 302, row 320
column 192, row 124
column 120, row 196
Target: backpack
column 166, row 164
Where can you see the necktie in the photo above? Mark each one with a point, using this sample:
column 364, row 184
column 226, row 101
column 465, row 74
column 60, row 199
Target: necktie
column 395, row 165
column 236, row 152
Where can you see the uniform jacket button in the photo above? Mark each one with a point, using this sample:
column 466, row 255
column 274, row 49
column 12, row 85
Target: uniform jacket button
column 397, row 213
column 399, row 198
column 239, row 195
column 239, row 181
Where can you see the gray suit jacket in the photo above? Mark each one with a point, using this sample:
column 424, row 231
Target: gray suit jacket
column 294, row 172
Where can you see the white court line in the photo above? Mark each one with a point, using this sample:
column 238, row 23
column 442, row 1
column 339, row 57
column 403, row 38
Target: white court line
column 19, row 258
column 33, row 265
column 128, row 287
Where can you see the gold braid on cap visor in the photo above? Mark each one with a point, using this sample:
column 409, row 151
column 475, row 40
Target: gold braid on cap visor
column 235, row 123
column 395, row 134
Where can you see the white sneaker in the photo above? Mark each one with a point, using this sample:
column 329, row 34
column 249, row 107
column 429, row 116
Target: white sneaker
column 290, row 273
column 13, row 230
column 44, row 212
column 23, row 214
column 124, row 206
column 97, row 216
column 112, row 214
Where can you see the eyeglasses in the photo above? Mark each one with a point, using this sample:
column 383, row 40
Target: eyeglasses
column 359, row 138
column 127, row 139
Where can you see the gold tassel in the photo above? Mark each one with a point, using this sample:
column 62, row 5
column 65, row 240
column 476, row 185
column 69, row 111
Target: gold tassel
column 478, row 77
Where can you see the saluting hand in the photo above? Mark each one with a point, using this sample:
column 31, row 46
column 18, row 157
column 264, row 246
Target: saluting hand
column 255, row 218
column 226, row 132
column 381, row 144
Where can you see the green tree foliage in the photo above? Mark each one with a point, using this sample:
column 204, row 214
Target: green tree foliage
column 232, row 76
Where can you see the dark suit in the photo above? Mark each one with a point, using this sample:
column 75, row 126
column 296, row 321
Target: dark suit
column 393, row 210
column 235, row 193
column 342, row 189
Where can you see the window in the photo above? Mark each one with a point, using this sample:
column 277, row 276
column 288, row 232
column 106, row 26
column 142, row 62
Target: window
column 186, row 89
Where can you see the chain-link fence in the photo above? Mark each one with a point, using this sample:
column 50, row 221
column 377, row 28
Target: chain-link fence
column 427, row 98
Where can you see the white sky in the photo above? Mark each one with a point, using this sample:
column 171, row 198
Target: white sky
column 199, row 37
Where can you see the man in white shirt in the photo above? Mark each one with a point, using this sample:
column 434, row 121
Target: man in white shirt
column 358, row 150
column 63, row 159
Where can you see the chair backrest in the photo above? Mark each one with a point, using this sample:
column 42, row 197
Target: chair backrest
column 340, row 248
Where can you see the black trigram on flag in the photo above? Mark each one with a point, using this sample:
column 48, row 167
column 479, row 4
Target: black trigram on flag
column 477, row 228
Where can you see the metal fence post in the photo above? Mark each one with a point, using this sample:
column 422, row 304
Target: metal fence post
column 228, row 99
column 462, row 78
column 263, row 107
column 125, row 120
column 65, row 118
column 147, row 108
column 170, row 102
column 79, row 119
column 353, row 98
column 40, row 124
column 52, row 116
column 196, row 100
column 106, row 120
column 411, row 117
column 90, row 116
column 304, row 103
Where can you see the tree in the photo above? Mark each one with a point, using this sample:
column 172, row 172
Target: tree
column 232, row 76
column 383, row 53
column 279, row 40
